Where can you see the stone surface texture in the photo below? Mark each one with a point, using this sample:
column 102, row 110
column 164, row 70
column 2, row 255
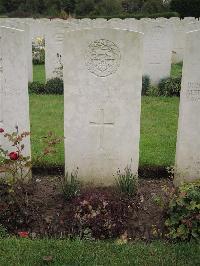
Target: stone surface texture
column 103, row 80
column 188, row 140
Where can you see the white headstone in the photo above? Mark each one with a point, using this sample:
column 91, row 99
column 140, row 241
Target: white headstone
column 189, row 19
column 192, row 26
column 99, row 23
column 132, row 24
column 157, row 50
column 86, row 23
column 22, row 25
column 14, row 100
column 54, row 49
column 188, row 141
column 38, row 27
column 116, row 23
column 179, row 31
column 102, row 80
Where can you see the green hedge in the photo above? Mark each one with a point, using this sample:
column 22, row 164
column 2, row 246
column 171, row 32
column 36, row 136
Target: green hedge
column 145, row 84
column 186, row 8
column 170, row 87
column 137, row 16
column 52, row 86
column 22, row 14
column 167, row 87
column 36, row 87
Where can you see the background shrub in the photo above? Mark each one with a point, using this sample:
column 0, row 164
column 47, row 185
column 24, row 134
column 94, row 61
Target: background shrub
column 39, row 57
column 186, row 8
column 183, row 220
column 137, row 16
column 154, row 6
column 36, row 87
column 169, row 87
column 145, row 84
column 54, row 86
column 3, row 232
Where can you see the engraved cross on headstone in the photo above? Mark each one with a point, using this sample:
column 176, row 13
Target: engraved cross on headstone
column 101, row 123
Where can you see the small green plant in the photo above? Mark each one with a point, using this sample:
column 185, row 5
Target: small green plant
column 3, row 232
column 54, row 86
column 169, row 87
column 36, row 87
column 145, row 84
column 183, row 221
column 159, row 201
column 99, row 214
column 153, row 91
column 127, row 182
column 70, row 185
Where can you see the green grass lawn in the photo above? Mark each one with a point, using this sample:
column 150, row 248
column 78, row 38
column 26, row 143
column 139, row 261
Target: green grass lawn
column 39, row 73
column 73, row 253
column 158, row 124
column 157, row 147
column 158, row 127
column 46, row 114
column 159, row 121
column 176, row 70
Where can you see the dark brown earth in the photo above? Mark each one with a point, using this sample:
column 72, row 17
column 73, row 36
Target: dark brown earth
column 50, row 214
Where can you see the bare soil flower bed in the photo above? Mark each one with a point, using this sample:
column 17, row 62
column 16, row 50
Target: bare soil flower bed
column 41, row 210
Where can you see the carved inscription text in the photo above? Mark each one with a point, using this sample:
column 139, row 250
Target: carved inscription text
column 103, row 58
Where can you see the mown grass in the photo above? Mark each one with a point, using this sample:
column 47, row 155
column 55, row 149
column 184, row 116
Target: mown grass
column 39, row 73
column 46, row 114
column 22, row 252
column 158, row 128
column 159, row 121
column 176, row 70
column 158, row 125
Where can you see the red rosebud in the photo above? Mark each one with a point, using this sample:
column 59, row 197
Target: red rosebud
column 23, row 234
column 14, row 156
column 1, row 130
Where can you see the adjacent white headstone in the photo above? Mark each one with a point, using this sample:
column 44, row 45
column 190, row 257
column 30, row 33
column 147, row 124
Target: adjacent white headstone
column 116, row 23
column 157, row 50
column 22, row 25
column 103, row 80
column 54, row 49
column 38, row 27
column 86, row 23
column 179, row 31
column 132, row 24
column 188, row 142
column 14, row 100
column 99, row 23
column 187, row 20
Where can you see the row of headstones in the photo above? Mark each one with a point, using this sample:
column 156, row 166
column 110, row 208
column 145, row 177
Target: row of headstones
column 103, row 81
column 164, row 40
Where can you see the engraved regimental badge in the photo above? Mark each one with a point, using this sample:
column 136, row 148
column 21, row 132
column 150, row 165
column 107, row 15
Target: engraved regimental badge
column 103, row 58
